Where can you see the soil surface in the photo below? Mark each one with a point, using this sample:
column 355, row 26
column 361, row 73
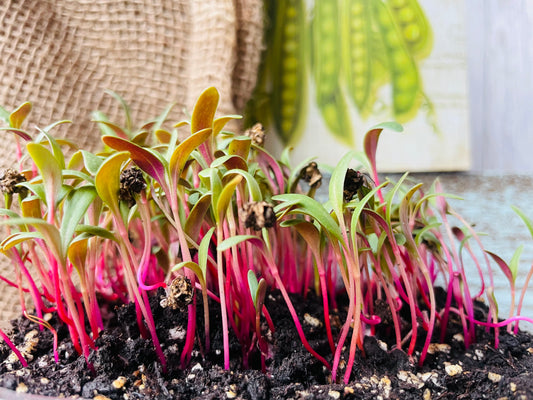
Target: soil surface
column 125, row 365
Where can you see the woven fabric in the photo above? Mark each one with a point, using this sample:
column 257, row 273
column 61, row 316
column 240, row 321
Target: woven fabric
column 62, row 55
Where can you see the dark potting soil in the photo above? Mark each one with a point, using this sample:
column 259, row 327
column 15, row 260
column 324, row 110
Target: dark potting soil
column 125, row 365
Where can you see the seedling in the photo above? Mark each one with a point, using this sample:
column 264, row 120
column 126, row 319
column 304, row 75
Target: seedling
column 214, row 214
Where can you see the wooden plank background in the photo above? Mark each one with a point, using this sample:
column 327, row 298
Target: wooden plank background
column 500, row 71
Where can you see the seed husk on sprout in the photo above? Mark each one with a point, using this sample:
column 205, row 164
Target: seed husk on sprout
column 131, row 183
column 311, row 174
column 257, row 134
column 9, row 178
column 259, row 215
column 353, row 181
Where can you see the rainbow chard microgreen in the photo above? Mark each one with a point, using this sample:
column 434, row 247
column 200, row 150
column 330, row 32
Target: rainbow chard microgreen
column 208, row 215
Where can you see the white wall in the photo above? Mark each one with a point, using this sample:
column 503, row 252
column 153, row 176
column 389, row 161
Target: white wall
column 500, row 57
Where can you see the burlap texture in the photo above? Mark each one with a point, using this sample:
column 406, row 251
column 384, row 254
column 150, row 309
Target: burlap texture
column 63, row 54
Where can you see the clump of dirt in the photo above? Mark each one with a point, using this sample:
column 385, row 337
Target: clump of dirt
column 125, row 365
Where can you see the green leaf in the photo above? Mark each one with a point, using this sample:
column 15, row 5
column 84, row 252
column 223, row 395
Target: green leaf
column 336, row 184
column 36, row 188
column 50, row 171
column 299, row 204
column 125, row 107
column 203, row 251
column 257, row 290
column 158, row 123
column 194, row 268
column 76, row 161
column 235, row 240
column 9, row 213
column 425, row 231
column 95, row 231
column 91, row 161
column 525, row 219
column 17, row 117
column 253, row 186
column 405, row 208
column 74, row 174
column 204, row 110
column 211, row 181
column 17, row 238
column 253, row 284
column 358, row 209
column 390, row 197
column 430, row 196
column 74, row 208
column 515, row 261
column 54, row 144
column 107, row 180
column 49, row 233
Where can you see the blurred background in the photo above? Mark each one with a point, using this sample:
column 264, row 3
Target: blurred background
column 500, row 59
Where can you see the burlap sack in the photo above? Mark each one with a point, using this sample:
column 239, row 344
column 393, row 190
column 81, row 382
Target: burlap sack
column 63, row 54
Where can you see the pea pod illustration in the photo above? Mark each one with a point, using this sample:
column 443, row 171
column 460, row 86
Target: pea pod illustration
column 356, row 51
column 414, row 26
column 288, row 70
column 364, row 68
column 405, row 80
column 326, row 67
column 259, row 106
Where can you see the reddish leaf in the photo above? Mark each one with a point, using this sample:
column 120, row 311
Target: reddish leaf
column 144, row 158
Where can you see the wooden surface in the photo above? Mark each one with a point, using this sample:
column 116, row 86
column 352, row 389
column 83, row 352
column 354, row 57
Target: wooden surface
column 500, row 72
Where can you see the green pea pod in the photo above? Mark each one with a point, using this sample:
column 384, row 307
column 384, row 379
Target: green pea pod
column 361, row 74
column 414, row 26
column 258, row 107
column 287, row 63
column 326, row 64
column 405, row 81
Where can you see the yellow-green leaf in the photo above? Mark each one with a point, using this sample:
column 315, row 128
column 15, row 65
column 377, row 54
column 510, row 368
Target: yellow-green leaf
column 17, row 117
column 219, row 123
column 183, row 151
column 77, row 253
column 235, row 240
column 50, row 171
column 194, row 268
column 74, row 208
column 225, row 197
column 204, row 110
column 107, row 180
column 240, row 146
column 17, row 238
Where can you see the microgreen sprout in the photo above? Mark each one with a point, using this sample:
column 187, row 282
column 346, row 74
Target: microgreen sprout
column 213, row 214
